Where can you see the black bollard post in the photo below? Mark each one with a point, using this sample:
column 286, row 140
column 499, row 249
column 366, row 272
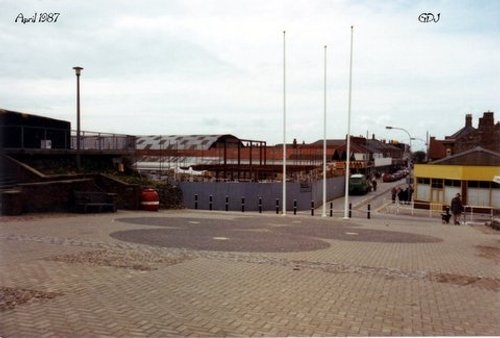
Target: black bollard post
column 227, row 203
column 350, row 210
column 243, row 204
column 277, row 206
column 195, row 201
column 368, row 215
column 312, row 208
column 260, row 205
column 331, row 209
column 210, row 202
column 295, row 207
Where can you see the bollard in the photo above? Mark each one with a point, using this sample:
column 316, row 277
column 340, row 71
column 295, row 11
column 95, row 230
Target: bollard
column 331, row 209
column 368, row 215
column 243, row 204
column 227, row 203
column 350, row 210
column 210, row 200
column 277, row 206
column 312, row 208
column 195, row 201
column 295, row 207
column 260, row 205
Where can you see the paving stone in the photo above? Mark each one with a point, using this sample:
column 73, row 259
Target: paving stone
column 354, row 288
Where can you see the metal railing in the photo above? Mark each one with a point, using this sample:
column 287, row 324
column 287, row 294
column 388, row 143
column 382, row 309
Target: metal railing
column 34, row 137
column 470, row 213
column 90, row 140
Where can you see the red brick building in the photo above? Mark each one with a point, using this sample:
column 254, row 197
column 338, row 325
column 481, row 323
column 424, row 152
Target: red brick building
column 486, row 135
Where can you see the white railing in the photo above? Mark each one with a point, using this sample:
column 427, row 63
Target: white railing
column 471, row 212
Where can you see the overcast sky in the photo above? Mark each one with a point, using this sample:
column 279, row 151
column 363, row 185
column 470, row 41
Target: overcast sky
column 216, row 66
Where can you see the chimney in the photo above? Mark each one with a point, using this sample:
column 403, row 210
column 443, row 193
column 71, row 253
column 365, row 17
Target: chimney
column 487, row 121
column 468, row 120
column 373, row 136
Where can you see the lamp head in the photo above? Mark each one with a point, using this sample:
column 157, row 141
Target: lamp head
column 77, row 70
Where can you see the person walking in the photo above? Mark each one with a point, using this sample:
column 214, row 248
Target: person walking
column 410, row 193
column 456, row 209
column 401, row 196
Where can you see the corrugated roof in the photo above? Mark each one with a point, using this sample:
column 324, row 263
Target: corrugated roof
column 182, row 142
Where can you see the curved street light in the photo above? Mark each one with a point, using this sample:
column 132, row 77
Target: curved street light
column 78, row 71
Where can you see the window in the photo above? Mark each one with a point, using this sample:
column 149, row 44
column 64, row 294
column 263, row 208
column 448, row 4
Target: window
column 437, row 183
column 484, row 184
column 479, row 184
column 423, row 180
column 472, row 184
column 452, row 183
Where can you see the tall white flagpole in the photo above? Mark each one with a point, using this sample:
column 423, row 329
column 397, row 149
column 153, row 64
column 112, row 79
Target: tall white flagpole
column 284, row 123
column 323, row 214
column 348, row 150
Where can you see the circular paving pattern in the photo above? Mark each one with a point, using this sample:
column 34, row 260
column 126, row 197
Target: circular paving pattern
column 253, row 234
column 349, row 233
column 209, row 239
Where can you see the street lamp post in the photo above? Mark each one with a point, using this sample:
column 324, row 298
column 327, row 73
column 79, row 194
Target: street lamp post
column 408, row 150
column 78, row 72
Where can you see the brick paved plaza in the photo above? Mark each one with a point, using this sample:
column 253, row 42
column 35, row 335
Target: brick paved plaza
column 187, row 273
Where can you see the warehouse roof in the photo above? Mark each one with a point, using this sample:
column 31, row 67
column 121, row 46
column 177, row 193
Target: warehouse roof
column 183, row 142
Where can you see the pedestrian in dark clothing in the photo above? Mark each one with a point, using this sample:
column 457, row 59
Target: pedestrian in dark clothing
column 445, row 217
column 401, row 196
column 410, row 193
column 456, row 209
column 394, row 192
column 374, row 184
column 405, row 195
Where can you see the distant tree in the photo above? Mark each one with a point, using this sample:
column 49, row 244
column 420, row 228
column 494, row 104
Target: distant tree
column 418, row 156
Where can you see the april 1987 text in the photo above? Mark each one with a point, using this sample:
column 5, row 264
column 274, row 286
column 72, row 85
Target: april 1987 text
column 37, row 18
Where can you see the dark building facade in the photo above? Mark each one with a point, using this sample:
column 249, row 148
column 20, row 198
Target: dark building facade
column 20, row 131
column 486, row 135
